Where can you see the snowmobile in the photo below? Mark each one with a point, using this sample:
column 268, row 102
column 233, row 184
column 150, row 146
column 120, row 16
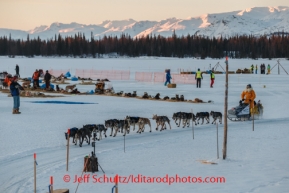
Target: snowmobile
column 244, row 113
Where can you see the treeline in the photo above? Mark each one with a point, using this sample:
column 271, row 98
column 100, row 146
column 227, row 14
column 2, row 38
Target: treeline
column 275, row 46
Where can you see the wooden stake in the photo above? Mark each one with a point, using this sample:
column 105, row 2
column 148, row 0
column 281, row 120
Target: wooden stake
column 217, row 142
column 124, row 144
column 84, row 170
column 253, row 117
column 67, row 152
column 225, row 113
column 116, row 184
column 34, row 172
column 193, row 124
column 51, row 184
column 278, row 69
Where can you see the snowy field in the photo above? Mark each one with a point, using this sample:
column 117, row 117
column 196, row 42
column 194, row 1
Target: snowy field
column 256, row 160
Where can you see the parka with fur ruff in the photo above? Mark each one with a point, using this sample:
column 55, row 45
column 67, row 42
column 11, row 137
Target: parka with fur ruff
column 249, row 96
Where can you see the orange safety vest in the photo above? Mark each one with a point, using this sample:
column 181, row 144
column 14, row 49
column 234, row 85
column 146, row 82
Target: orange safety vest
column 36, row 75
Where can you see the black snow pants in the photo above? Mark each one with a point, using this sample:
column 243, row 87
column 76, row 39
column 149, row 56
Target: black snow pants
column 198, row 82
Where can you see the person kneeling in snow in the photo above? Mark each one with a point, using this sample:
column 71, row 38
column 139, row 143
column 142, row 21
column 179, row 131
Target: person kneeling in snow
column 248, row 96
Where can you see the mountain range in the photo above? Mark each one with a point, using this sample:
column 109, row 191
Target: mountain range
column 252, row 21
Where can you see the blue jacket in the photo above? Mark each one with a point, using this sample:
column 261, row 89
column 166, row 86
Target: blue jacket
column 168, row 76
column 14, row 88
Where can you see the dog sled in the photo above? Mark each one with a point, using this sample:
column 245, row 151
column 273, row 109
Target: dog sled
column 99, row 87
column 244, row 113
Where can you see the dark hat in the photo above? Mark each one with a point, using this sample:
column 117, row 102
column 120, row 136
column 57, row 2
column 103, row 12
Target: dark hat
column 9, row 75
column 46, row 70
column 198, row 69
column 249, row 85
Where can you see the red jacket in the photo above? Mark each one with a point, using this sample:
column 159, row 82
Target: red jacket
column 35, row 76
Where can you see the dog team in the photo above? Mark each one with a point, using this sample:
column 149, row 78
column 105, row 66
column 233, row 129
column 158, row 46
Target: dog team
column 96, row 130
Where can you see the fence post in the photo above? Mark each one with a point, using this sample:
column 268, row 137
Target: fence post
column 193, row 123
column 252, row 112
column 225, row 112
column 34, row 172
column 116, row 184
column 67, row 153
column 217, row 142
column 51, row 184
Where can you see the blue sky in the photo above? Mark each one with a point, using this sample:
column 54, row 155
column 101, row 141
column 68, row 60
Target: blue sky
column 28, row 14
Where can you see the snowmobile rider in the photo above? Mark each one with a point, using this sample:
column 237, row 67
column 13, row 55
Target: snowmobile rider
column 248, row 95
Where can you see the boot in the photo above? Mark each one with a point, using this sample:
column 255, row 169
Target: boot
column 17, row 111
column 13, row 111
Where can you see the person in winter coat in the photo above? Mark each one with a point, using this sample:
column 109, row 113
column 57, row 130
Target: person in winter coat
column 168, row 77
column 212, row 77
column 7, row 80
column 47, row 78
column 268, row 69
column 17, row 70
column 248, row 95
column 198, row 77
column 35, row 78
column 256, row 69
column 252, row 69
column 14, row 89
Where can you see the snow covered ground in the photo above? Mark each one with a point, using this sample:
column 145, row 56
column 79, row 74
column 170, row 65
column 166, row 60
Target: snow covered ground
column 256, row 160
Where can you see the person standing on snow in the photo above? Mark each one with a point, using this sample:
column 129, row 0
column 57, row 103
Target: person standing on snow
column 17, row 70
column 198, row 77
column 14, row 89
column 168, row 77
column 35, row 78
column 256, row 69
column 47, row 78
column 212, row 77
column 268, row 69
column 252, row 69
column 248, row 95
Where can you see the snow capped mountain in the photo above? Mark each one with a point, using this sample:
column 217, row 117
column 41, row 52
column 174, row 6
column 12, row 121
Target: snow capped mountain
column 252, row 21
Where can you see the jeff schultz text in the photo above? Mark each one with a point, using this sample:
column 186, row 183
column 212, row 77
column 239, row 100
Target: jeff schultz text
column 87, row 178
